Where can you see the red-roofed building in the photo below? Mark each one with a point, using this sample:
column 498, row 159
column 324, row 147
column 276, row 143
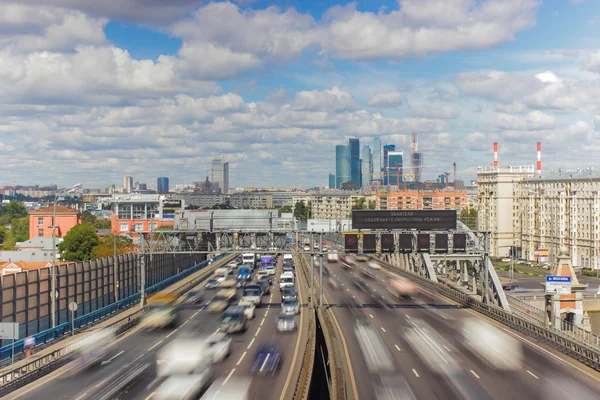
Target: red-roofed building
column 13, row 267
column 40, row 221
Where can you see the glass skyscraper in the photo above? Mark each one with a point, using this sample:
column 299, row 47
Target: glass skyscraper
column 342, row 164
column 366, row 164
column 220, row 173
column 377, row 161
column 355, row 161
column 331, row 181
column 162, row 185
column 386, row 150
column 395, row 165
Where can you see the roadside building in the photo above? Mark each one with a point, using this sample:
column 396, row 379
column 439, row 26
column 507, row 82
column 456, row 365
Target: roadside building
column 421, row 200
column 41, row 221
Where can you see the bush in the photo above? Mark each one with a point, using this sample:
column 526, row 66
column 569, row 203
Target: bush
column 588, row 272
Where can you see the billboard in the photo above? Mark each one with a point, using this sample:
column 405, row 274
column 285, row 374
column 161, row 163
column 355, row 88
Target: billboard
column 401, row 219
column 320, row 225
column 541, row 253
column 169, row 207
column 558, row 284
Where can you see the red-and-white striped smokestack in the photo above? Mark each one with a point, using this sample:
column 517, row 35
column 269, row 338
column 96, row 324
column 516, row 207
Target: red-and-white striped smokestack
column 539, row 158
column 496, row 154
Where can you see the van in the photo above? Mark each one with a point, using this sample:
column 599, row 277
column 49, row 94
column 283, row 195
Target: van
column 288, row 257
column 248, row 258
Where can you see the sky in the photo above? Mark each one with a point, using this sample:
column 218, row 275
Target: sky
column 93, row 91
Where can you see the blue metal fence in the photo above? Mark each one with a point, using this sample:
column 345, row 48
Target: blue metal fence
column 49, row 335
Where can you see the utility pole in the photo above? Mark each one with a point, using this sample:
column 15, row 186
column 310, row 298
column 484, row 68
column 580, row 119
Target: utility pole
column 142, row 271
column 485, row 266
column 115, row 258
column 321, row 270
column 312, row 273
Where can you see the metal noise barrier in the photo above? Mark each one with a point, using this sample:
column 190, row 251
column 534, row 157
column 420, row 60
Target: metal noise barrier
column 306, row 371
column 21, row 376
column 567, row 345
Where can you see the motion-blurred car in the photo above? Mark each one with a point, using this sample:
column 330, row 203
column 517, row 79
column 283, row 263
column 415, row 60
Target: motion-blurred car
column 218, row 346
column 222, row 300
column 253, row 293
column 228, row 284
column 374, row 265
column 394, row 388
column 270, row 269
column 232, row 388
column 267, row 359
column 249, row 308
column 367, row 273
column 286, row 323
column 362, row 257
column 290, row 307
column 234, row 320
column 360, row 283
column 241, row 282
column 379, row 299
column 193, row 297
column 332, row 283
column 266, row 286
column 263, row 273
column 212, row 283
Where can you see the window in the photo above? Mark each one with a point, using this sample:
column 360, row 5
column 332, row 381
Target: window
column 40, row 220
column 124, row 211
column 123, row 227
column 41, row 232
column 138, row 211
column 138, row 226
column 153, row 226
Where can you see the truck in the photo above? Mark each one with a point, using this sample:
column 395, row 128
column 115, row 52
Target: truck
column 402, row 287
column 163, row 312
column 244, row 272
column 267, row 261
column 248, row 259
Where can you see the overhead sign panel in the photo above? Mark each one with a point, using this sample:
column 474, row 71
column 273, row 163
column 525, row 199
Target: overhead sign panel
column 558, row 284
column 423, row 242
column 369, row 243
column 459, row 242
column 351, row 243
column 9, row 330
column 387, row 242
column 441, row 243
column 406, row 243
column 413, row 219
column 318, row 225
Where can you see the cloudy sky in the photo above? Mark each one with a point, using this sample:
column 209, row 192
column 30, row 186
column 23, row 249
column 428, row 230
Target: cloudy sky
column 91, row 91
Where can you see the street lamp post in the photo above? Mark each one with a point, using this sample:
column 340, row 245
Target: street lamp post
column 53, row 268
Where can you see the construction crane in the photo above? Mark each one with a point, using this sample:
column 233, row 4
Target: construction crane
column 447, row 173
column 454, row 165
column 399, row 173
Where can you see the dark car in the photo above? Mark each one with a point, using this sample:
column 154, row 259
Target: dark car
column 265, row 285
column 360, row 283
column 367, row 273
column 193, row 297
column 289, row 294
column 212, row 283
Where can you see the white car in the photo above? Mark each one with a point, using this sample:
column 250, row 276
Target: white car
column 290, row 307
column 219, row 346
column 220, row 278
column 373, row 265
column 270, row 270
column 505, row 260
column 249, row 308
column 287, row 274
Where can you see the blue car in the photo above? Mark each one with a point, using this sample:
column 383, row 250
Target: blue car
column 267, row 359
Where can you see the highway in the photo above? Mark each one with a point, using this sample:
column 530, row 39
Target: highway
column 424, row 336
column 138, row 349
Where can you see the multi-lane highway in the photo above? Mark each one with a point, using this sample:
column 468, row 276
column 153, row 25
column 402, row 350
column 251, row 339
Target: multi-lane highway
column 138, row 350
column 425, row 335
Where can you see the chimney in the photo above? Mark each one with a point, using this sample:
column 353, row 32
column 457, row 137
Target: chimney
column 495, row 154
column 539, row 158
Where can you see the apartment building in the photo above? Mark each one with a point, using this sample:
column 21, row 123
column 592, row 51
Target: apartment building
column 336, row 206
column 421, row 200
column 251, row 200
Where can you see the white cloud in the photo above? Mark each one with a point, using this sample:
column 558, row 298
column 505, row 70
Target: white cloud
column 428, row 111
column 206, row 61
column 597, row 123
column 593, row 62
column 535, row 120
column 386, row 100
column 333, row 99
column 420, row 27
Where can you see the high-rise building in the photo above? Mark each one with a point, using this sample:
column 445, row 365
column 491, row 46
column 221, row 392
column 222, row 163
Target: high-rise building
column 366, row 165
column 377, row 160
column 162, row 185
column 220, row 173
column 127, row 184
column 395, row 167
column 386, row 150
column 355, row 161
column 331, row 181
column 342, row 165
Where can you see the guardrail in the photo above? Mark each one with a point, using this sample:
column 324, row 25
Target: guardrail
column 564, row 343
column 50, row 335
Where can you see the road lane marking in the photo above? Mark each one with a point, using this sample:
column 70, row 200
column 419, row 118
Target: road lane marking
column 353, row 296
column 215, row 332
column 466, row 330
column 116, row 355
column 150, row 349
column 241, row 358
column 532, row 374
column 446, row 347
column 228, row 376
column 258, row 330
column 82, row 396
column 371, row 315
column 415, row 372
column 250, row 345
column 407, row 316
column 183, row 324
column 383, row 329
column 171, row 333
column 397, row 348
column 266, row 312
column 262, row 322
column 476, row 376
column 149, row 396
column 196, row 313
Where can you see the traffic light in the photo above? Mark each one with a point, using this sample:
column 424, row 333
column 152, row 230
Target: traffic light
column 423, row 242
column 406, row 245
column 351, row 243
column 459, row 242
column 369, row 243
column 441, row 243
column 387, row 242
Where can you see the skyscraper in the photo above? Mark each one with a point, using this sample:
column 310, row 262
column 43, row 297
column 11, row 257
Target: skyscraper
column 386, row 150
column 331, row 181
column 395, row 167
column 366, row 164
column 342, row 165
column 128, row 184
column 162, row 185
column 377, row 161
column 220, row 173
column 355, row 161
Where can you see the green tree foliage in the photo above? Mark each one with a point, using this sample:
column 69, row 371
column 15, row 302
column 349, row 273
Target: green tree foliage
column 360, row 204
column 98, row 223
column 285, row 209
column 2, row 234
column 20, row 229
column 106, row 246
column 79, row 243
column 14, row 209
column 301, row 211
column 371, row 204
column 9, row 242
column 468, row 216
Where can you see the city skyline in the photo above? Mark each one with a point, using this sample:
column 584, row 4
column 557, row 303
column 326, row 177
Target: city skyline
column 87, row 97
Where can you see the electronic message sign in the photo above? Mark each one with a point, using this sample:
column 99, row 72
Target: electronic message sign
column 404, row 219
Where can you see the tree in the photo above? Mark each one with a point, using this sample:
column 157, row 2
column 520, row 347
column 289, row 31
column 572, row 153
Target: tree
column 16, row 209
column 20, row 229
column 300, row 211
column 106, row 246
column 9, row 242
column 468, row 216
column 371, row 204
column 79, row 243
column 89, row 218
column 285, row 209
column 360, row 204
column 3, row 233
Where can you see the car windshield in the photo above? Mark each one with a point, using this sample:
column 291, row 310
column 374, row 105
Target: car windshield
column 290, row 303
column 220, row 298
column 232, row 317
column 287, row 318
column 287, row 280
column 252, row 292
